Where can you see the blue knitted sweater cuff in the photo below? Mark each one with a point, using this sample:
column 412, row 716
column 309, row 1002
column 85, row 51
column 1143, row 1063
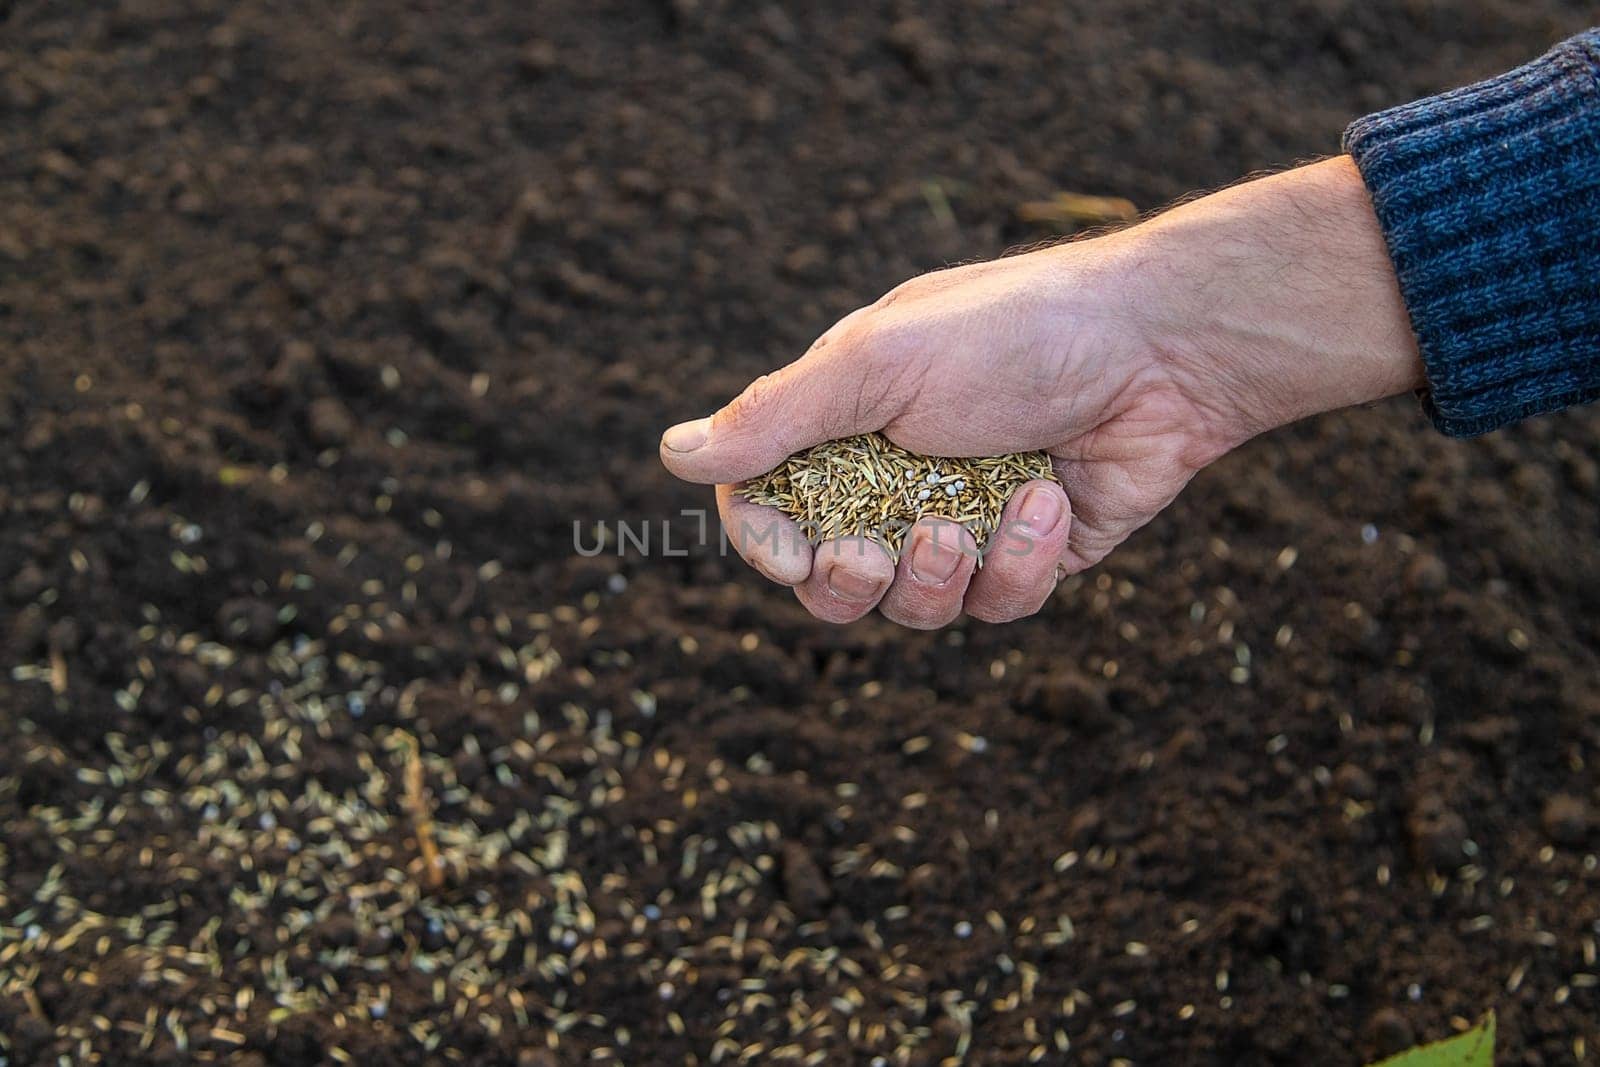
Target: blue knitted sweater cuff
column 1489, row 199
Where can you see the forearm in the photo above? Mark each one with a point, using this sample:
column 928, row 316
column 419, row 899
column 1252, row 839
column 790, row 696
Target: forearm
column 1454, row 252
column 1276, row 296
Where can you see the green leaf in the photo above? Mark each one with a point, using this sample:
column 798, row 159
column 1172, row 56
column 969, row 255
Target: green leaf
column 1470, row 1048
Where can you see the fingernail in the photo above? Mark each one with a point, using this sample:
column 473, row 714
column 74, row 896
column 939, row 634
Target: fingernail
column 848, row 585
column 687, row 436
column 933, row 561
column 1041, row 510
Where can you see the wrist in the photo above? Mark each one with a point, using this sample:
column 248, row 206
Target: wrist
column 1274, row 300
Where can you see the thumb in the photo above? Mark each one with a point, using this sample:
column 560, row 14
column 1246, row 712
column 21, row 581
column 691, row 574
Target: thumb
column 832, row 391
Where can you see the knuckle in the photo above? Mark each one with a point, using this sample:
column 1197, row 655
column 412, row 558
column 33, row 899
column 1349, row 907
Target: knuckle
column 889, row 337
column 1008, row 597
column 856, row 338
column 756, row 398
column 909, row 290
column 842, row 332
column 876, row 334
column 1001, row 611
column 897, row 614
column 989, row 613
column 782, row 571
column 894, row 296
column 915, row 615
column 923, row 623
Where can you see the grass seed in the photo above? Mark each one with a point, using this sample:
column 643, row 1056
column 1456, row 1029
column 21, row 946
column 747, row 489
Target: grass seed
column 868, row 486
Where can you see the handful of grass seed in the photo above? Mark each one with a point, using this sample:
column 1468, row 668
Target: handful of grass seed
column 868, row 486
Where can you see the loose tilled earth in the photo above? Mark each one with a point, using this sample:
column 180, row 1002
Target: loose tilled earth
column 323, row 322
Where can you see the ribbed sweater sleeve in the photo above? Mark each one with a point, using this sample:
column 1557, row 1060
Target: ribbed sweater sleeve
column 1489, row 199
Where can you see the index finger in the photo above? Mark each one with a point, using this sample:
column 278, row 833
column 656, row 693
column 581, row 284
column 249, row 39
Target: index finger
column 765, row 537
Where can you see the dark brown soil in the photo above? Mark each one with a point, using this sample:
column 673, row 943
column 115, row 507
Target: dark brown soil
column 323, row 322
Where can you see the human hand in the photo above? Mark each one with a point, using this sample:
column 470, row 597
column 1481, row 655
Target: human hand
column 1134, row 359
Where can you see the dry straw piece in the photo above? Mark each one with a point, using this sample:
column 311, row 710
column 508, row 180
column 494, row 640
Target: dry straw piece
column 869, row 486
